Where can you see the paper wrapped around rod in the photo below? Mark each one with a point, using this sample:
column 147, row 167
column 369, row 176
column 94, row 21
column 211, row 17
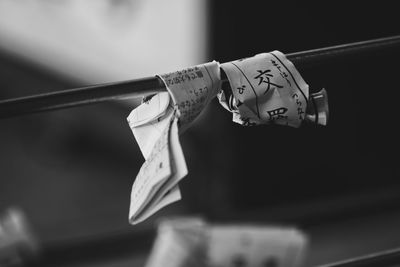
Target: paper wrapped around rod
column 192, row 89
column 265, row 89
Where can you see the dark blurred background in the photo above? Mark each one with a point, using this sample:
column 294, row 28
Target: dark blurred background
column 71, row 171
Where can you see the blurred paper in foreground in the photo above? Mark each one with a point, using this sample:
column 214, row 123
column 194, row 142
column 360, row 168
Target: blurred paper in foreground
column 193, row 242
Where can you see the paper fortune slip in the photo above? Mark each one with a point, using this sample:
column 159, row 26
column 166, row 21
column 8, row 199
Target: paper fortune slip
column 264, row 89
column 156, row 125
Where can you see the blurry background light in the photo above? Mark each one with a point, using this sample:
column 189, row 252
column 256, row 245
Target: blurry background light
column 105, row 40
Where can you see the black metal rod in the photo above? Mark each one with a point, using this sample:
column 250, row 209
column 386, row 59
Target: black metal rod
column 145, row 86
column 386, row 258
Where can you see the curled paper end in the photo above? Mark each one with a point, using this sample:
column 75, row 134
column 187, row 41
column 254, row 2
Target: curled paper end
column 318, row 108
column 151, row 109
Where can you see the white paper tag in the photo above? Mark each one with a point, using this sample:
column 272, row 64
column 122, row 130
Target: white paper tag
column 266, row 88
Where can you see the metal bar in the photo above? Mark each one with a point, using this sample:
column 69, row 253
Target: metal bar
column 80, row 96
column 380, row 259
column 145, row 86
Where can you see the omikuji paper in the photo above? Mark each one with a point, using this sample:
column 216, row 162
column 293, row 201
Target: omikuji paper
column 156, row 124
column 266, row 89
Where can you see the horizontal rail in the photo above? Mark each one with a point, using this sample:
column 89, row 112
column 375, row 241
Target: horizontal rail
column 386, row 258
column 146, row 86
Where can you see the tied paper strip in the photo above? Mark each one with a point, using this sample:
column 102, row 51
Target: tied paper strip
column 192, row 242
column 192, row 89
column 266, row 89
column 155, row 127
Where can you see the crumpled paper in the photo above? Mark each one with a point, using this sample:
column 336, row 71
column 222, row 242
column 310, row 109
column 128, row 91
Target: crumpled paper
column 266, row 89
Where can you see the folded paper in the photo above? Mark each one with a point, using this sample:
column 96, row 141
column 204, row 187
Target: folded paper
column 156, row 125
